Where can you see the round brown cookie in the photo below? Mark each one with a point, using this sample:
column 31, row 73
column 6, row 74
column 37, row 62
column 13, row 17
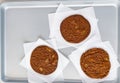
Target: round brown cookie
column 95, row 63
column 75, row 28
column 44, row 60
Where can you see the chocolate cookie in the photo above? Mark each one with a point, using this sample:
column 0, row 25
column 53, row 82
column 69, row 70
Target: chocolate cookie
column 44, row 60
column 75, row 28
column 95, row 63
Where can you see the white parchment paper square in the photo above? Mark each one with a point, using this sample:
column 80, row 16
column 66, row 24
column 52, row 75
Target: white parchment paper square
column 55, row 76
column 75, row 59
column 62, row 12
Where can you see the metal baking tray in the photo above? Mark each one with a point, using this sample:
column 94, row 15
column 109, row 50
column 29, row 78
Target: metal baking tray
column 27, row 21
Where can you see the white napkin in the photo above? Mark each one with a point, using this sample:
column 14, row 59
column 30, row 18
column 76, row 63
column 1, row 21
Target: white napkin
column 55, row 76
column 62, row 12
column 75, row 59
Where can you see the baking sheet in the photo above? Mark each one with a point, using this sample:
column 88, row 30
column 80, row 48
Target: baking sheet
column 27, row 21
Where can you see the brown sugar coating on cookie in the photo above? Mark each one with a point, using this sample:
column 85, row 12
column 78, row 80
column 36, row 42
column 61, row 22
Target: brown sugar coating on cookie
column 44, row 60
column 95, row 63
column 75, row 28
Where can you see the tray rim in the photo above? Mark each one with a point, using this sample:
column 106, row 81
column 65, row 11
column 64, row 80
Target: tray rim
column 77, row 3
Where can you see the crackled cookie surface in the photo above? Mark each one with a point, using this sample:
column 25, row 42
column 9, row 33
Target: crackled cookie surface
column 95, row 63
column 75, row 28
column 44, row 60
